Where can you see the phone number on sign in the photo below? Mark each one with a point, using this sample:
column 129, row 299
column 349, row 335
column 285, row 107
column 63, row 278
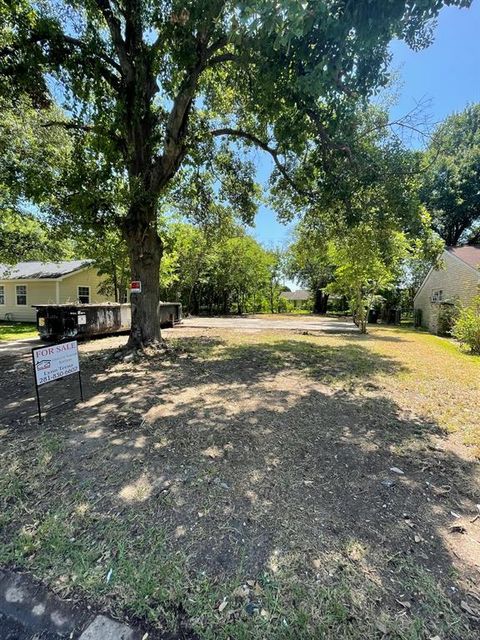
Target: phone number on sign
column 45, row 377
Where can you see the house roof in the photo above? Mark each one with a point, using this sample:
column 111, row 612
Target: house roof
column 41, row 270
column 296, row 295
column 470, row 254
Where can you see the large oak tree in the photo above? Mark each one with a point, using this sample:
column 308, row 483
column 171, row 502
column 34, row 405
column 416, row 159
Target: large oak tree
column 153, row 86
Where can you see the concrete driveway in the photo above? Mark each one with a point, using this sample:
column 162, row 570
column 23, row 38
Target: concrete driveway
column 16, row 347
column 300, row 323
column 257, row 323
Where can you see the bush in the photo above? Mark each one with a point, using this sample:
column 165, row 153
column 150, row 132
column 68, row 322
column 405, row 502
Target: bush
column 467, row 326
column 447, row 315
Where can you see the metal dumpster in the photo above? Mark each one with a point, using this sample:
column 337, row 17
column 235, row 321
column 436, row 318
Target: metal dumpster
column 58, row 321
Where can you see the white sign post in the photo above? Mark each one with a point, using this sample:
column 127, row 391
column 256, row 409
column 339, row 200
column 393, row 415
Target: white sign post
column 55, row 361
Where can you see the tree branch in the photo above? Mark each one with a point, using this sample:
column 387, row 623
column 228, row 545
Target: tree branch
column 68, row 125
column 76, row 42
column 116, row 33
column 238, row 133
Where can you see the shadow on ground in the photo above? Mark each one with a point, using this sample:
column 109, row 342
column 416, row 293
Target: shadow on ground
column 223, row 463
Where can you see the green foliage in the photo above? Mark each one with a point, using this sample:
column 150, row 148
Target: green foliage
column 24, row 237
column 447, row 314
column 467, row 326
column 367, row 260
column 150, row 87
column 33, row 154
column 108, row 249
column 31, row 160
column 308, row 261
column 218, row 270
column 450, row 183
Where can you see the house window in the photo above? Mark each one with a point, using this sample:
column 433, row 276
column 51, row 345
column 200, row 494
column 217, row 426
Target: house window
column 437, row 295
column 84, row 295
column 21, row 291
column 2, row 294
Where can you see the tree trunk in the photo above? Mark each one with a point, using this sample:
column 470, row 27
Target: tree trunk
column 320, row 302
column 145, row 250
column 360, row 315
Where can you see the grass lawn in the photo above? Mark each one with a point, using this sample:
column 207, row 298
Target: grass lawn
column 252, row 484
column 17, row 330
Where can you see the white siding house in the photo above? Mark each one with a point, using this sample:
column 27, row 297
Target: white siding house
column 457, row 281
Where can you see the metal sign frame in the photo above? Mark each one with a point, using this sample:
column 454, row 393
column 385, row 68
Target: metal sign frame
column 37, row 386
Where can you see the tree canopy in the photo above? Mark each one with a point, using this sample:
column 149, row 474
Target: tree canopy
column 450, row 188
column 160, row 93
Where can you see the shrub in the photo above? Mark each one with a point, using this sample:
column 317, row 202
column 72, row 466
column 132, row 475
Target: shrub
column 447, row 314
column 467, row 326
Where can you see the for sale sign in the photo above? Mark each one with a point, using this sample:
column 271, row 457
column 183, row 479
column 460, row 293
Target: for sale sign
column 135, row 286
column 55, row 361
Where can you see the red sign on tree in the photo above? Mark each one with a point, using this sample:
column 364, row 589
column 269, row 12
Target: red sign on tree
column 136, row 286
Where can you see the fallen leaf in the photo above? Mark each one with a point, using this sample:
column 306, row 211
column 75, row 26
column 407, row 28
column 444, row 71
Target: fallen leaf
column 222, row 605
column 241, row 592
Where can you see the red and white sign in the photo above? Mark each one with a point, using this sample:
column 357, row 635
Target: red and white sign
column 56, row 361
column 135, row 286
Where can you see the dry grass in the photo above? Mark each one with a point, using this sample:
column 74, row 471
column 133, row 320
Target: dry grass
column 240, row 486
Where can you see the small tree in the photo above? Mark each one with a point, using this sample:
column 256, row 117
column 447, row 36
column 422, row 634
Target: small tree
column 467, row 326
column 366, row 261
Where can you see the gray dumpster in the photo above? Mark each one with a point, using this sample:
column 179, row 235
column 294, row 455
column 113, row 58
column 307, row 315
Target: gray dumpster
column 58, row 321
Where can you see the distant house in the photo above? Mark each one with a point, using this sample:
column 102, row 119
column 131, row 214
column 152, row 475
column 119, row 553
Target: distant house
column 297, row 297
column 28, row 283
column 458, row 281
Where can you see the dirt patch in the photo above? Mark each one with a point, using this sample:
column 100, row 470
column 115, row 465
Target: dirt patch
column 265, row 485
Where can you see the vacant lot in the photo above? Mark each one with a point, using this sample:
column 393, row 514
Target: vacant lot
column 253, row 484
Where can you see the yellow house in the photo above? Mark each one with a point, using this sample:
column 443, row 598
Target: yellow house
column 28, row 283
column 457, row 281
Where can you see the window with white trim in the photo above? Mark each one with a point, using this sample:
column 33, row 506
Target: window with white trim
column 437, row 295
column 21, row 294
column 2, row 294
column 84, row 295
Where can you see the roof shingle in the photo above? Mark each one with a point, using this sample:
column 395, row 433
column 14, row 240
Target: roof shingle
column 41, row 270
column 296, row 295
column 469, row 254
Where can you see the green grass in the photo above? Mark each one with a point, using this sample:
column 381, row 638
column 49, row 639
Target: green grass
column 17, row 330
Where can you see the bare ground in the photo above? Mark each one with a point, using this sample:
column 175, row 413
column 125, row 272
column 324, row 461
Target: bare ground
column 246, row 484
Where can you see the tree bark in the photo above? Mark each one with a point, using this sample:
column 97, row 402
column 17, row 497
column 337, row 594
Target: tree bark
column 320, row 302
column 145, row 250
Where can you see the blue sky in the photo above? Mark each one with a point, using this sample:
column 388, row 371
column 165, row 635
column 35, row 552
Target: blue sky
column 445, row 78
